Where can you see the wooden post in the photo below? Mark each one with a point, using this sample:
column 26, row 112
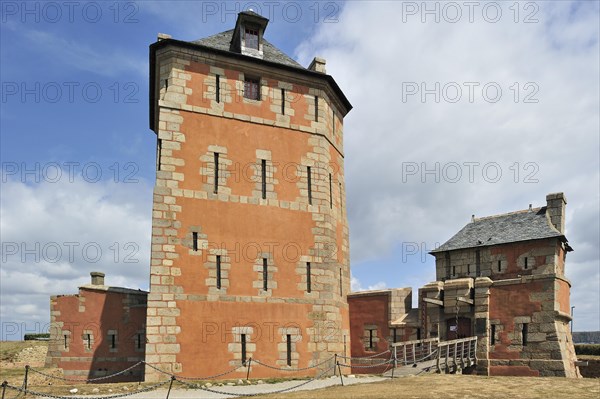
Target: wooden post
column 4, row 388
column 340, row 370
column 25, row 380
column 455, row 354
column 414, row 348
column 335, row 361
column 248, row 372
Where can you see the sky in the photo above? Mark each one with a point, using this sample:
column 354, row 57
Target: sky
column 460, row 109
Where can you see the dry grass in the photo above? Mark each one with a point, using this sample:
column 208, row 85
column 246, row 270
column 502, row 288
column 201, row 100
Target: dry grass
column 459, row 387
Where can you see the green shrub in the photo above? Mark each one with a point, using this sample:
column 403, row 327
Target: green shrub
column 36, row 337
column 587, row 349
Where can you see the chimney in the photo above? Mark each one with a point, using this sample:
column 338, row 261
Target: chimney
column 97, row 278
column 555, row 210
column 317, row 65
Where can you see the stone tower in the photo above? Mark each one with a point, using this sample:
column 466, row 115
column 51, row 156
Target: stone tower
column 250, row 250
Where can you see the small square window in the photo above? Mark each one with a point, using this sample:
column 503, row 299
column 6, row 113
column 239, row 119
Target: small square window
column 251, row 88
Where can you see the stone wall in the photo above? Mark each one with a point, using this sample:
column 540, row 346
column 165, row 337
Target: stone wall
column 222, row 206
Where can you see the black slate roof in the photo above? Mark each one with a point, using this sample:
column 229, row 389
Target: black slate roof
column 222, row 41
column 502, row 229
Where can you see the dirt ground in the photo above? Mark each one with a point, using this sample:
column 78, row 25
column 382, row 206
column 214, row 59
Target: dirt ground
column 460, row 387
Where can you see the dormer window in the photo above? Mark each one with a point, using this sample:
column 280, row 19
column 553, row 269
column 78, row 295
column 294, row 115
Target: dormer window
column 252, row 88
column 251, row 38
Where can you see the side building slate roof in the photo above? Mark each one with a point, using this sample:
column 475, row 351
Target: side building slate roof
column 503, row 229
column 222, row 41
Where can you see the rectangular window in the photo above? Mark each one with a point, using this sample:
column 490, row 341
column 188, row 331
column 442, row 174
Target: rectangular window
column 252, row 38
column 265, row 274
column 333, row 121
column 195, row 241
column 341, row 205
column 453, row 271
column 418, row 334
column 88, row 341
column 525, row 260
column 282, row 101
column 243, row 339
column 251, row 88
column 112, row 341
column 309, row 183
column 308, row 282
column 316, row 108
column 66, row 342
column 395, row 336
column 468, row 269
column 219, row 271
column 218, row 88
column 289, row 349
column 139, row 341
column 499, row 265
column 524, row 333
column 493, row 334
column 263, row 175
column 216, row 165
column 158, row 152
column 330, row 192
column 371, row 339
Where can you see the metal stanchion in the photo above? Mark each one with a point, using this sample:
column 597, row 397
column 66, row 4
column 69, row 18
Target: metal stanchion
column 170, row 385
column 25, row 381
column 248, row 372
column 340, row 370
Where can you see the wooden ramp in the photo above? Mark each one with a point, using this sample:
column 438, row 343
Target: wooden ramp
column 431, row 355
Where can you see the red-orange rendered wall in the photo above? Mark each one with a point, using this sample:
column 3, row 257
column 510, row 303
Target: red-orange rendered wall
column 98, row 332
column 219, row 241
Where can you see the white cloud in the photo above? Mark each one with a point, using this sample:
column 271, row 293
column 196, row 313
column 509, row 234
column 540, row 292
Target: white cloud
column 106, row 61
column 547, row 146
column 355, row 285
column 55, row 234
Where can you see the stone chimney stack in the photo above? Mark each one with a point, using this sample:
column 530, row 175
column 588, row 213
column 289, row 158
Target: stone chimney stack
column 556, row 203
column 317, row 65
column 97, row 278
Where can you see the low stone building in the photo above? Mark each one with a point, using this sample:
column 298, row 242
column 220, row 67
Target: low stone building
column 98, row 332
column 500, row 278
column 379, row 318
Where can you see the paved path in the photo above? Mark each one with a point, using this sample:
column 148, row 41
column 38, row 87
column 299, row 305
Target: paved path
column 252, row 389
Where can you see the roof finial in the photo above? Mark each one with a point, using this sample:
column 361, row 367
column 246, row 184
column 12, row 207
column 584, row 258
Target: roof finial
column 472, row 218
column 530, row 208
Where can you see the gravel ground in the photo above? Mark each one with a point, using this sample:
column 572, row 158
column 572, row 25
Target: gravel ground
column 252, row 389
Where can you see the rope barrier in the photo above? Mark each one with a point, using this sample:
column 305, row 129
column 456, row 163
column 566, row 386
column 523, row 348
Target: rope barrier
column 363, row 357
column 85, row 379
column 366, row 366
column 120, row 395
column 292, row 368
column 209, row 377
column 258, row 393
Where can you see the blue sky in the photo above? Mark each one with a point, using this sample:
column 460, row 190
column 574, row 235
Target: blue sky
column 74, row 95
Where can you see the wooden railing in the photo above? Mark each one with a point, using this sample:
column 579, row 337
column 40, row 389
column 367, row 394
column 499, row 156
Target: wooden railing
column 455, row 354
column 412, row 352
column 443, row 356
